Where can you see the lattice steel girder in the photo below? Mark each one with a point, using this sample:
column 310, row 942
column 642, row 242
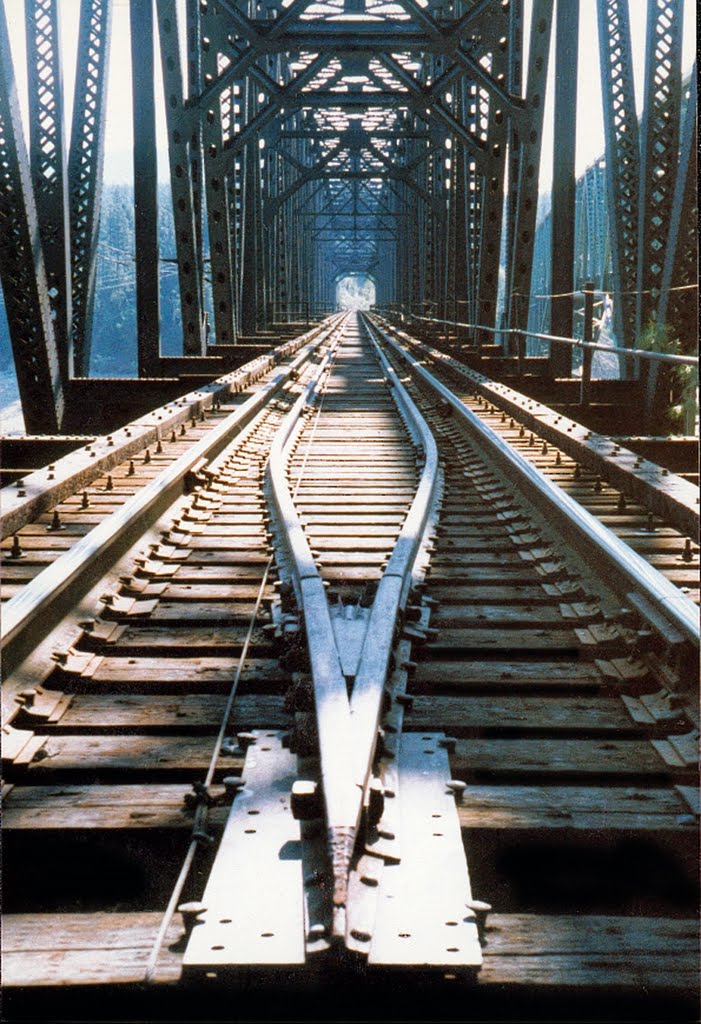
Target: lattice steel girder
column 622, row 158
column 529, row 162
column 219, row 224
column 678, row 305
column 24, row 282
column 659, row 146
column 287, row 97
column 85, row 168
column 181, row 184
column 308, row 174
column 47, row 151
column 493, row 196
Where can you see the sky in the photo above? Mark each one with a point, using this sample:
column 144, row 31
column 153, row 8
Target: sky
column 590, row 133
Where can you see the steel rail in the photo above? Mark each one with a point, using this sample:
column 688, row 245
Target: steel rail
column 393, row 589
column 85, row 561
column 558, row 339
column 600, row 548
column 79, row 468
column 330, row 694
column 348, row 731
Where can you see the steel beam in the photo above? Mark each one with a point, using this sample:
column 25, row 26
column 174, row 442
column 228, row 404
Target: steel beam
column 622, row 158
column 85, row 164
column 145, row 187
column 563, row 189
column 24, row 281
column 529, row 163
column 659, row 149
column 48, row 152
column 180, row 152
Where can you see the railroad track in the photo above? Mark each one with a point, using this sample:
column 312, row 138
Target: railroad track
column 361, row 671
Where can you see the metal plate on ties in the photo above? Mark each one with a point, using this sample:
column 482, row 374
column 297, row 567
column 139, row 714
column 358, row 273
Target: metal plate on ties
column 254, row 896
column 421, row 917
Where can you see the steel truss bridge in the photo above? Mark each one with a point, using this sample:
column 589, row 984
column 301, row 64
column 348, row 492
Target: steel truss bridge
column 308, row 141
column 351, row 654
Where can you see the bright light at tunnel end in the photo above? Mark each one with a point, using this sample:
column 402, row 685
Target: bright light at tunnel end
column 355, row 291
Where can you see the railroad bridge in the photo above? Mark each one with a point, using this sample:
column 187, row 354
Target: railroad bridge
column 350, row 639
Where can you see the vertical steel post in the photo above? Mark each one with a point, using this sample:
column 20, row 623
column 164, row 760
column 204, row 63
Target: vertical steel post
column 145, row 188
column 185, row 216
column 85, row 163
column 563, row 189
column 588, row 335
column 529, row 164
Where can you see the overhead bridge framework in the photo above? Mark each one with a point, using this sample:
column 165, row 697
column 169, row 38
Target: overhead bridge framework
column 309, row 140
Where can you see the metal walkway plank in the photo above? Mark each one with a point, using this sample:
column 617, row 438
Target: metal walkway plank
column 422, row 919
column 254, row 896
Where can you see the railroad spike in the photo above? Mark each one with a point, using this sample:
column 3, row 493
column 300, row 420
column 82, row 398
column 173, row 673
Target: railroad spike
column 192, row 915
column 376, row 801
column 232, row 784
column 481, row 910
column 457, row 787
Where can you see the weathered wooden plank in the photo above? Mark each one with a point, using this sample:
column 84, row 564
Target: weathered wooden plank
column 180, row 757
column 200, row 639
column 502, row 588
column 589, row 809
column 456, row 715
column 497, row 673
column 583, row 759
column 85, row 949
column 195, row 592
column 198, row 712
column 457, row 639
column 494, row 615
column 546, row 951
column 166, row 669
column 196, row 673
column 213, row 611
